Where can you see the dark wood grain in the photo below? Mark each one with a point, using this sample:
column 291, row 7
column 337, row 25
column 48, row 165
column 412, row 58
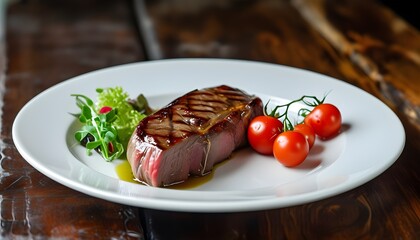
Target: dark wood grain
column 47, row 43
column 360, row 42
column 383, row 46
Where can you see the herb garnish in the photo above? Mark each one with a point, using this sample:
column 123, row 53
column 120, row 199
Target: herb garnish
column 108, row 125
column 98, row 131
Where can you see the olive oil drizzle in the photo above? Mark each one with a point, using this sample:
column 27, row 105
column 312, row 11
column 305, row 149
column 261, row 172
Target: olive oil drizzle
column 124, row 173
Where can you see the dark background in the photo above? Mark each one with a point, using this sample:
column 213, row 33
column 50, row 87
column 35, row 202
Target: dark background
column 406, row 10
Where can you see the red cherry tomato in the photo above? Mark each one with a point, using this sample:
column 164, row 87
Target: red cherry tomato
column 290, row 148
column 262, row 131
column 110, row 147
column 325, row 119
column 105, row 109
column 307, row 131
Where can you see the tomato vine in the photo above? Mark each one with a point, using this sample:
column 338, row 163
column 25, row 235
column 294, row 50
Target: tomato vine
column 310, row 101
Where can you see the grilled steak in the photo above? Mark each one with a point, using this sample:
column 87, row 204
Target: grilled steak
column 191, row 134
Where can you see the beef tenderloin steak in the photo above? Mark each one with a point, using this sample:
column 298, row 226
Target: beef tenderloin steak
column 191, row 134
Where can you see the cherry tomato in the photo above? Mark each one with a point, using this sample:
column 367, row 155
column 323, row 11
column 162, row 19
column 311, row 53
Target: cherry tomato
column 262, row 131
column 110, row 147
column 325, row 119
column 290, row 148
column 307, row 131
column 105, row 109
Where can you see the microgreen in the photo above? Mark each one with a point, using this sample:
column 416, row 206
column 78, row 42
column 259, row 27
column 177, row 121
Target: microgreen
column 98, row 130
column 108, row 124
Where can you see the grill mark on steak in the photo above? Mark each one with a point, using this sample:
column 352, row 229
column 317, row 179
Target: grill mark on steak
column 196, row 111
column 199, row 116
column 191, row 134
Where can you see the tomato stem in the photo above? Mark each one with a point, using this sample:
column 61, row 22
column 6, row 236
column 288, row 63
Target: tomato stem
column 311, row 101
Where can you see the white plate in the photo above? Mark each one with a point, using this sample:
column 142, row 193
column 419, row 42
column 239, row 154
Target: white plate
column 372, row 138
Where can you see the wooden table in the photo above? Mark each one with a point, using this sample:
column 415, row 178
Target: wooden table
column 360, row 42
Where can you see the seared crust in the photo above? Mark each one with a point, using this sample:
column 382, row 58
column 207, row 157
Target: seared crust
column 194, row 113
